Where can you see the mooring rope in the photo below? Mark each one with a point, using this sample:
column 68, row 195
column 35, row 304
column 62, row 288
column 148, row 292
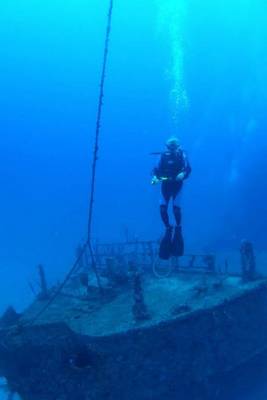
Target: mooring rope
column 98, row 121
column 96, row 147
column 88, row 244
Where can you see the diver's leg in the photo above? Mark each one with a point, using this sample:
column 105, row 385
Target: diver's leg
column 164, row 215
column 177, row 194
column 165, row 247
column 164, row 202
column 178, row 241
column 177, row 215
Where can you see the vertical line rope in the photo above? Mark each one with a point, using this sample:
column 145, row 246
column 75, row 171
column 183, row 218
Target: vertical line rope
column 96, row 148
column 88, row 243
column 98, row 121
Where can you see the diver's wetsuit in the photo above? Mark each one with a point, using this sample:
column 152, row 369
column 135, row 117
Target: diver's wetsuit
column 170, row 165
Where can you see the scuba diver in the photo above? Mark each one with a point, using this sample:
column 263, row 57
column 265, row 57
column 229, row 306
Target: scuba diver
column 172, row 169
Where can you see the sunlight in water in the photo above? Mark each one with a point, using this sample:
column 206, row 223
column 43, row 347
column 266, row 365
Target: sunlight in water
column 172, row 15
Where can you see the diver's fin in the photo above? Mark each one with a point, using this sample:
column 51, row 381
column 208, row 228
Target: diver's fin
column 165, row 248
column 177, row 243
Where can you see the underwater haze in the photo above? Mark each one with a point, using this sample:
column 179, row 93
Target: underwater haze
column 190, row 68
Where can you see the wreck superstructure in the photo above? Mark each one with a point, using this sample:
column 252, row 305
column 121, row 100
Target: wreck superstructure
column 141, row 335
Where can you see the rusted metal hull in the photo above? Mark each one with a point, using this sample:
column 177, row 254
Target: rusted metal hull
column 177, row 358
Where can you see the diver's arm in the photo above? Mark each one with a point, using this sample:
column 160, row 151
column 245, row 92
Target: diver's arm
column 187, row 167
column 186, row 171
column 157, row 172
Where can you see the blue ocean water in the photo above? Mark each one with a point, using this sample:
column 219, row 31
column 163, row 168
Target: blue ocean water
column 190, row 68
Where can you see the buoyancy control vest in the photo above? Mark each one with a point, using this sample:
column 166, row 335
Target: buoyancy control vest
column 171, row 164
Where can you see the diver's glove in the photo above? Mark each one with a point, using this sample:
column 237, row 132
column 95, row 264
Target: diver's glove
column 180, row 177
column 154, row 180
